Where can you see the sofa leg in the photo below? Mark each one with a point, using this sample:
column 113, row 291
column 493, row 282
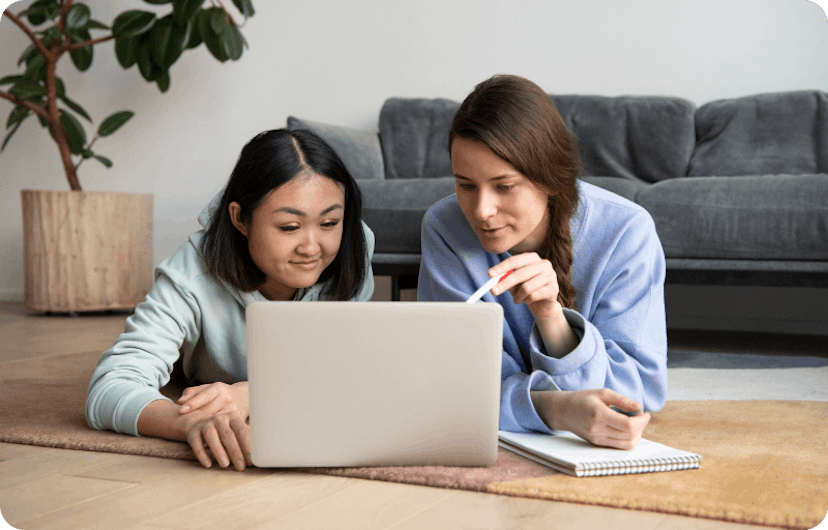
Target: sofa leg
column 395, row 288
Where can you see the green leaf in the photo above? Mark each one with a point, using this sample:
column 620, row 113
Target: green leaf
column 184, row 10
column 27, row 90
column 35, row 69
column 74, row 106
column 60, row 88
column 103, row 160
column 10, row 79
column 233, row 42
column 27, row 54
column 212, row 39
column 17, row 115
column 77, row 16
column 245, row 7
column 75, row 135
column 114, row 122
column 168, row 41
column 195, row 35
column 132, row 23
column 126, row 50
column 8, row 136
column 158, row 2
column 94, row 24
column 51, row 35
column 147, row 68
column 87, row 153
column 163, row 81
column 82, row 57
column 41, row 11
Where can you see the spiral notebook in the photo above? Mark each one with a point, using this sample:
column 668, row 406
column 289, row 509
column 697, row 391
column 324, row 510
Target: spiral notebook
column 567, row 453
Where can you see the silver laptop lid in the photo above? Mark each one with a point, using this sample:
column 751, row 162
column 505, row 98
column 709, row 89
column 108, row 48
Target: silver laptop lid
column 374, row 383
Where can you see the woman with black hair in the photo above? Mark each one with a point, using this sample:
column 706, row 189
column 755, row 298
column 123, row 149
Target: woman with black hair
column 584, row 336
column 287, row 227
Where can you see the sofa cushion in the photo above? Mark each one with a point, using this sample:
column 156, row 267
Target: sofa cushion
column 648, row 138
column 394, row 210
column 627, row 188
column 784, row 132
column 414, row 136
column 359, row 150
column 782, row 217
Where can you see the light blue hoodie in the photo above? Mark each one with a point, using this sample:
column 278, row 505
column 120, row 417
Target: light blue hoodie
column 191, row 316
column 618, row 272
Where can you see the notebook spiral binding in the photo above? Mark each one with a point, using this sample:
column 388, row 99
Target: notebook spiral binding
column 637, row 466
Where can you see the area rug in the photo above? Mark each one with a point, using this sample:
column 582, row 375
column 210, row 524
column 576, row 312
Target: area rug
column 763, row 462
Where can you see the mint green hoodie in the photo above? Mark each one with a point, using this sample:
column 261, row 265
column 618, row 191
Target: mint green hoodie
column 191, row 316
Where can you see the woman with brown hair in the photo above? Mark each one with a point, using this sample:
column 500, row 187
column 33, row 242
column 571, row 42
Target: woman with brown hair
column 584, row 335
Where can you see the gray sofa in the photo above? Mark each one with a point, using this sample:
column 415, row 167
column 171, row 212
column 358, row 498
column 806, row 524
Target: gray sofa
column 738, row 188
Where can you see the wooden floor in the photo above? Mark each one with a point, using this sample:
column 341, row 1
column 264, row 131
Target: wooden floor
column 44, row 488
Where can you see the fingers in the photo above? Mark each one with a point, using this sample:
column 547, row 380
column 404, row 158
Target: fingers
column 531, row 282
column 212, row 399
column 228, row 439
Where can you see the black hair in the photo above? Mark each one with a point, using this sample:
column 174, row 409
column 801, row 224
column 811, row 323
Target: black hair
column 266, row 162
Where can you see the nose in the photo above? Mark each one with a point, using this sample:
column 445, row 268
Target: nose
column 485, row 206
column 309, row 246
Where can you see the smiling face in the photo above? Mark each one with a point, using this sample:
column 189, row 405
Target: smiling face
column 507, row 211
column 295, row 233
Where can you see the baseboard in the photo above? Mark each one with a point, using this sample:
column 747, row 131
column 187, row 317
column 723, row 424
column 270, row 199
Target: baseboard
column 11, row 295
column 793, row 310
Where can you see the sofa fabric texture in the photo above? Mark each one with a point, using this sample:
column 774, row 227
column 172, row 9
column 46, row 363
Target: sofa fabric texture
column 741, row 181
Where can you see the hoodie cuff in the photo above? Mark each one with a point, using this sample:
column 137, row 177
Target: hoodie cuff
column 125, row 417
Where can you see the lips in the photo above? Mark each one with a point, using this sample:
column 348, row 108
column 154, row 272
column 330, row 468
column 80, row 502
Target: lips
column 492, row 232
column 306, row 264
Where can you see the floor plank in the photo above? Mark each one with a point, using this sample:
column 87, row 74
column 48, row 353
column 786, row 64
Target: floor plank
column 301, row 500
column 38, row 497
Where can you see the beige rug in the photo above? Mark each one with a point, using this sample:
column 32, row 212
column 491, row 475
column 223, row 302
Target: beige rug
column 763, row 462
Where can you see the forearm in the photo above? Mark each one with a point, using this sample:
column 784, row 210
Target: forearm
column 162, row 419
column 557, row 335
column 548, row 405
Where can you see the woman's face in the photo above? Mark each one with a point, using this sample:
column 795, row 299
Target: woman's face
column 506, row 210
column 295, row 233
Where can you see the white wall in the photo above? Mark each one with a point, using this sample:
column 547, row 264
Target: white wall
column 337, row 61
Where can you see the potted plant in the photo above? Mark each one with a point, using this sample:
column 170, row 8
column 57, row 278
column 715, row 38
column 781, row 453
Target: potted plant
column 87, row 251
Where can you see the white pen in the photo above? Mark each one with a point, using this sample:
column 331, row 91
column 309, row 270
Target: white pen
column 478, row 294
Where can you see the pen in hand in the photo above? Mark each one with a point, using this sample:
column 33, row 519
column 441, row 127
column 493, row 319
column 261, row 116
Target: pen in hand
column 478, row 294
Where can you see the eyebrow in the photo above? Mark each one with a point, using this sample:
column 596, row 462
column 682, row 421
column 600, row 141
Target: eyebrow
column 300, row 213
column 501, row 177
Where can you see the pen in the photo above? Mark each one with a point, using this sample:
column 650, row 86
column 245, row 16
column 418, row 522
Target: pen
column 486, row 287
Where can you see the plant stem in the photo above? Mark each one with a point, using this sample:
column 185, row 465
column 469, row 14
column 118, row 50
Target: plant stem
column 34, row 107
column 44, row 51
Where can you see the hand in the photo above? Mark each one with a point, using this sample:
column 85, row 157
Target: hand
column 587, row 413
column 535, row 284
column 225, row 434
column 216, row 398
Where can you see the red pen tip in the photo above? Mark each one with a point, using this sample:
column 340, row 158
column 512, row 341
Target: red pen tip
column 504, row 276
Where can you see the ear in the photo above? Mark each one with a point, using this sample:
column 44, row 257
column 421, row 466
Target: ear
column 234, row 209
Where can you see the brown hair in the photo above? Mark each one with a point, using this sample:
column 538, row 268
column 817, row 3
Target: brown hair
column 516, row 120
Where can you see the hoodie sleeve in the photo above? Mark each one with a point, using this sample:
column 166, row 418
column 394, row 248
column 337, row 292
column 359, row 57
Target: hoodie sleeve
column 140, row 362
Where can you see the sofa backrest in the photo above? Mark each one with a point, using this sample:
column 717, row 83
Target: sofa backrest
column 762, row 134
column 643, row 138
column 414, row 137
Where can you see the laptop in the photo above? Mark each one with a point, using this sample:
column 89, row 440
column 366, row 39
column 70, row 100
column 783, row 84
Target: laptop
column 342, row 384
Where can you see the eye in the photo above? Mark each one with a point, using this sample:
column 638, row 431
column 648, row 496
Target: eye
column 466, row 186
column 330, row 224
column 288, row 228
column 505, row 187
